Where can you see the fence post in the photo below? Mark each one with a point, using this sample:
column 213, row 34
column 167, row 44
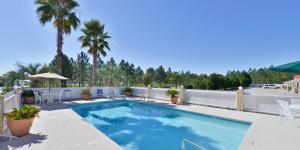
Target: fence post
column 240, row 99
column 181, row 94
column 18, row 98
column 1, row 114
column 149, row 91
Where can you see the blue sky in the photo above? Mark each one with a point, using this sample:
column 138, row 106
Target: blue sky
column 202, row 36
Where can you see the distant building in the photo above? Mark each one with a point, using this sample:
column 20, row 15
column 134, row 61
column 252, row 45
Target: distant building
column 296, row 76
column 293, row 84
column 22, row 84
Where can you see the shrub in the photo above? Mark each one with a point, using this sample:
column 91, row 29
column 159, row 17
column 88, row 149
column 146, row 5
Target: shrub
column 172, row 93
column 6, row 89
column 127, row 90
column 25, row 112
column 86, row 91
column 28, row 93
column 189, row 87
column 165, row 86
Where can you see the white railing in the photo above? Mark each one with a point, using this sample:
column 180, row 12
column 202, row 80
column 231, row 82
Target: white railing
column 265, row 103
column 9, row 94
column 197, row 146
column 222, row 99
column 10, row 103
column 75, row 93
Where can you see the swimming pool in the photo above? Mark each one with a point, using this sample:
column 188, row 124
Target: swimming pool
column 140, row 126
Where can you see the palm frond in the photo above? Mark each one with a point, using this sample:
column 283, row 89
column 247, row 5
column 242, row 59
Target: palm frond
column 52, row 9
column 73, row 20
column 95, row 37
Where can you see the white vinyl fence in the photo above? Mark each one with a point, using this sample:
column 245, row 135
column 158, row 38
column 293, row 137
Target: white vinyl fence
column 265, row 103
column 9, row 94
column 75, row 93
column 10, row 102
column 262, row 103
column 222, row 99
column 159, row 93
column 139, row 91
column 156, row 93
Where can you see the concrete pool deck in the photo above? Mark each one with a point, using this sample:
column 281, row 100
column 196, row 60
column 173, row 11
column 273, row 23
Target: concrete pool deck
column 60, row 128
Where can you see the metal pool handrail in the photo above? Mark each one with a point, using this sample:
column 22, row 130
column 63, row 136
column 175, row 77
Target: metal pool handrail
column 192, row 143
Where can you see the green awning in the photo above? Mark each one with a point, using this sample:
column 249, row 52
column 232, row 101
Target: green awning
column 293, row 67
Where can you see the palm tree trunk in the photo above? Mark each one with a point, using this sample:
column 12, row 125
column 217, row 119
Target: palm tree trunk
column 59, row 46
column 94, row 75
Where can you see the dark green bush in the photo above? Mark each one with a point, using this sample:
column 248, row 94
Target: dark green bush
column 28, row 93
column 127, row 90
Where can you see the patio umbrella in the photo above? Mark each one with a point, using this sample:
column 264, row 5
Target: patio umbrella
column 49, row 76
column 293, row 67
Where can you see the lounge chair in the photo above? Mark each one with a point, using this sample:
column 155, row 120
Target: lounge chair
column 285, row 111
column 38, row 98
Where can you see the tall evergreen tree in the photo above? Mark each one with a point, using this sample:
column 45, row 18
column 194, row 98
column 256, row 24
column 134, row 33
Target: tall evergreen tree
column 160, row 75
column 82, row 66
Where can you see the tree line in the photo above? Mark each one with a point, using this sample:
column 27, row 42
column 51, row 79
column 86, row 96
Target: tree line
column 111, row 73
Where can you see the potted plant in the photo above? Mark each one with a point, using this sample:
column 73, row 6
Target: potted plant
column 173, row 95
column 86, row 94
column 296, row 91
column 28, row 97
column 19, row 121
column 128, row 91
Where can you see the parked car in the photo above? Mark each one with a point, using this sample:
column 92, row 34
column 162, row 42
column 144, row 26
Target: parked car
column 270, row 86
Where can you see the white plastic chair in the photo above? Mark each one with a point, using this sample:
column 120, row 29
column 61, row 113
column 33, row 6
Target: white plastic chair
column 58, row 95
column 285, row 111
column 38, row 98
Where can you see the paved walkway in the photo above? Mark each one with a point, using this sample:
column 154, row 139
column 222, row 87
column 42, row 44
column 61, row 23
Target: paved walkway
column 60, row 128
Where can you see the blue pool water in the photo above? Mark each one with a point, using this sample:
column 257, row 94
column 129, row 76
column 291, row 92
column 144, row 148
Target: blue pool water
column 139, row 126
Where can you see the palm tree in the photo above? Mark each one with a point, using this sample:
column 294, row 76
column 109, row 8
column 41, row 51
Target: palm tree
column 94, row 39
column 31, row 68
column 63, row 15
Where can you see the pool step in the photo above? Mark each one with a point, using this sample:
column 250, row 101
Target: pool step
column 185, row 141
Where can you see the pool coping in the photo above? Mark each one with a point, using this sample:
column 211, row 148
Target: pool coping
column 73, row 107
column 165, row 107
